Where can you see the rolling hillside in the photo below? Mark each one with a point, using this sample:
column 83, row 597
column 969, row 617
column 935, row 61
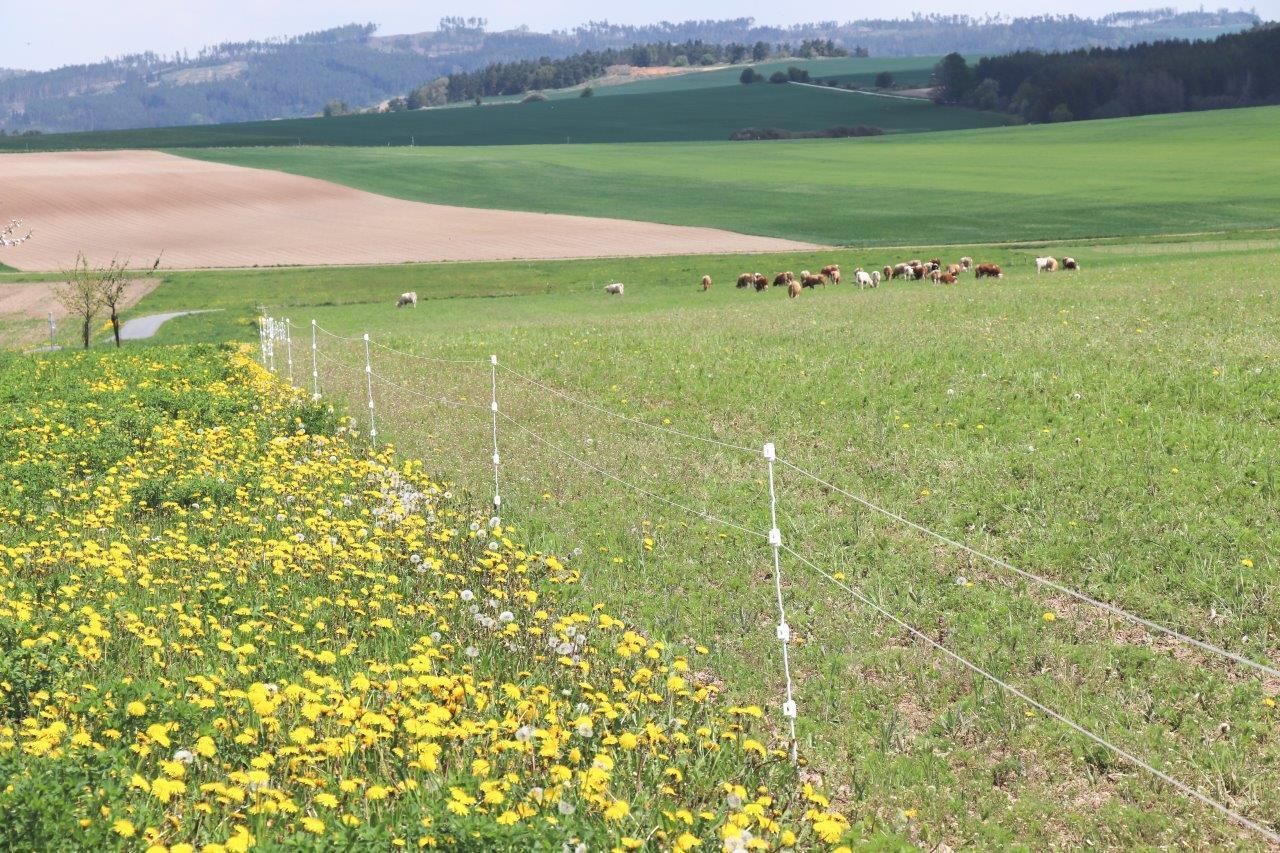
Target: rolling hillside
column 1150, row 175
column 693, row 114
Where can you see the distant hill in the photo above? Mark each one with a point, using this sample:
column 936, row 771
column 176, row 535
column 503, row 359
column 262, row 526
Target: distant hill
column 281, row 78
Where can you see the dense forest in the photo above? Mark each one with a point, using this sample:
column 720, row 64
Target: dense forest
column 299, row 76
column 515, row 78
column 1242, row 69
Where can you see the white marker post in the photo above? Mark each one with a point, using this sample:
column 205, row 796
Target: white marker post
column 784, row 630
column 271, row 344
column 288, row 346
column 493, row 407
column 315, row 368
column 368, row 375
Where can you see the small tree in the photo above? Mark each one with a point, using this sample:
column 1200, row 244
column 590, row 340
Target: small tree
column 778, row 77
column 884, row 80
column 748, row 76
column 587, row 92
column 81, row 295
column 952, row 79
column 336, row 108
column 112, row 284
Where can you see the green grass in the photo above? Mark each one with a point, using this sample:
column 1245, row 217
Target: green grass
column 687, row 115
column 1111, row 429
column 1151, row 175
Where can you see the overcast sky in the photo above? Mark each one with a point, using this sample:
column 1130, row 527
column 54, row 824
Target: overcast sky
column 42, row 34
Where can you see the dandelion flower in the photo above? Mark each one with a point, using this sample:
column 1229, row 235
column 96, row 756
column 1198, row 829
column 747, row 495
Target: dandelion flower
column 1049, row 616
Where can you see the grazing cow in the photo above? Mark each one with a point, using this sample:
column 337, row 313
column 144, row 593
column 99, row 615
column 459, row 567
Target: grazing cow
column 887, row 272
column 932, row 267
column 954, row 269
column 410, row 298
column 746, row 280
column 1046, row 265
column 947, row 278
column 863, row 279
column 875, row 277
column 783, row 278
column 985, row 270
column 832, row 271
column 935, row 276
column 966, row 263
column 903, row 271
column 793, row 289
column 615, row 289
column 706, row 282
column 936, row 263
column 917, row 271
column 1070, row 264
column 808, row 279
column 760, row 280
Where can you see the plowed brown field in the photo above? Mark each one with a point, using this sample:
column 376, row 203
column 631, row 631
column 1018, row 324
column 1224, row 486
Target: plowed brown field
column 137, row 204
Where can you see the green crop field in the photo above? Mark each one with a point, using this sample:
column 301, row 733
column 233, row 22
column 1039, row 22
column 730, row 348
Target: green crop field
column 685, row 115
column 1110, row 429
column 1158, row 174
column 913, row 70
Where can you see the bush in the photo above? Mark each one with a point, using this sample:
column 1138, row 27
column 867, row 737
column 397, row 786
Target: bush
column 748, row 76
column 838, row 132
column 797, row 75
column 884, row 80
column 778, row 77
column 587, row 92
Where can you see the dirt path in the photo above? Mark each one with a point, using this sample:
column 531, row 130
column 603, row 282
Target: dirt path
column 136, row 204
column 140, row 328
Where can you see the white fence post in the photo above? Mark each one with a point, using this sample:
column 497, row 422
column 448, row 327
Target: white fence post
column 262, row 339
column 784, row 630
column 315, row 367
column 493, row 407
column 368, row 375
column 271, row 344
column 288, row 347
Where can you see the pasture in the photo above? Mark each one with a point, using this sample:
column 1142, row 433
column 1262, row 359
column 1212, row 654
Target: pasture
column 1111, row 430
column 677, row 115
column 1151, row 175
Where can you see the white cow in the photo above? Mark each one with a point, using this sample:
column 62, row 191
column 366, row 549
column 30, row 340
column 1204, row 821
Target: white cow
column 409, row 298
column 1046, row 265
column 863, row 280
column 615, row 289
column 875, row 278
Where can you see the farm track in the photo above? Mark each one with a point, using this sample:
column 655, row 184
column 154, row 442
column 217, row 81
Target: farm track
column 138, row 204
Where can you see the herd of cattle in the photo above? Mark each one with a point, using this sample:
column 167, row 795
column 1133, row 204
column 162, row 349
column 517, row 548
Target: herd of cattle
column 914, row 270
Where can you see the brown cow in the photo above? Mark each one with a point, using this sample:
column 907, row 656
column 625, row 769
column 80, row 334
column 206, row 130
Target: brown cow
column 783, row 278
column 746, row 280
column 937, row 262
column 832, row 271
column 954, row 269
column 760, row 281
column 888, row 273
column 947, row 278
column 808, row 279
column 1070, row 264
column 706, row 282
column 793, row 289
column 917, row 271
column 991, row 270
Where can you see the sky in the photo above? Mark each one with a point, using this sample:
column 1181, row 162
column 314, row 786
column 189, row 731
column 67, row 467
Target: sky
column 49, row 33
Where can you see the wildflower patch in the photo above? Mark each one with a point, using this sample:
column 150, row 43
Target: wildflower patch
column 225, row 624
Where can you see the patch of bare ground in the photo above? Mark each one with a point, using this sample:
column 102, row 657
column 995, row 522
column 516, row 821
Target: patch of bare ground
column 140, row 203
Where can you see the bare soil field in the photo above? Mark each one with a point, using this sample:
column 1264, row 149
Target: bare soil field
column 137, row 204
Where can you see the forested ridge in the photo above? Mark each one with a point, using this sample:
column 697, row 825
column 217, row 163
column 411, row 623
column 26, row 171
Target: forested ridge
column 1237, row 70
column 288, row 77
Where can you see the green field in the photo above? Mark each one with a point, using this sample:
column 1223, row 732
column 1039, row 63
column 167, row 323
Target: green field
column 1109, row 429
column 913, row 70
column 685, row 115
column 1158, row 174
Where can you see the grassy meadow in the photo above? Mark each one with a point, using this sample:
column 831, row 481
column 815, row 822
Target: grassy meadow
column 1109, row 429
column 1151, row 175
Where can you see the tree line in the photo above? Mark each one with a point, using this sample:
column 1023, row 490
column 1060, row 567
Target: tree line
column 1241, row 69
column 517, row 78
